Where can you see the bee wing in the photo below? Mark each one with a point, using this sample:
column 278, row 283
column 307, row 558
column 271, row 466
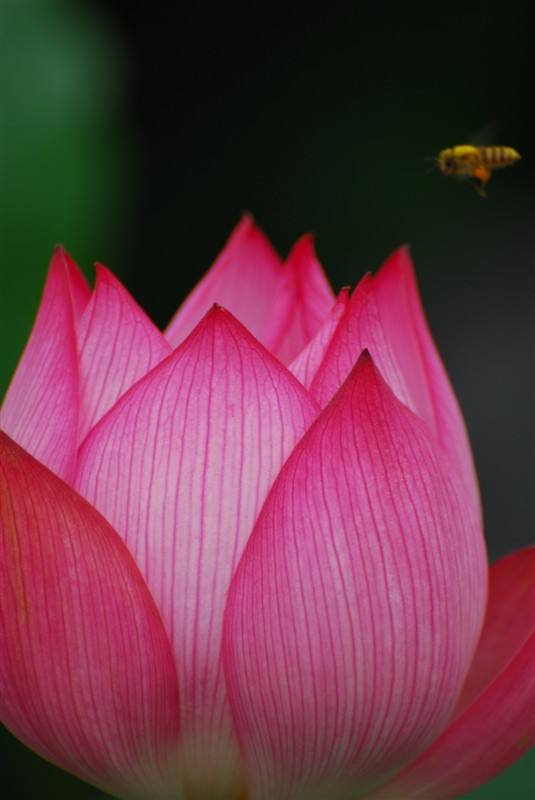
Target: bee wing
column 486, row 134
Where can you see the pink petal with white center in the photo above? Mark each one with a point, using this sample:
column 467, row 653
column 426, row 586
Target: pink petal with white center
column 385, row 316
column 356, row 608
column 301, row 304
column 40, row 410
column 180, row 467
column 88, row 678
column 494, row 722
column 118, row 344
column 243, row 279
column 307, row 363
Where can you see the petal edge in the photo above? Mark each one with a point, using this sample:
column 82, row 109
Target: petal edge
column 88, row 679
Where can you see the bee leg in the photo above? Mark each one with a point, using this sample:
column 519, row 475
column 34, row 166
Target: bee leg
column 482, row 176
column 480, row 187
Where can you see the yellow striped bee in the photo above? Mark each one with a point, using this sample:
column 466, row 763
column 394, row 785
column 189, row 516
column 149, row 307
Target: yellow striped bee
column 468, row 161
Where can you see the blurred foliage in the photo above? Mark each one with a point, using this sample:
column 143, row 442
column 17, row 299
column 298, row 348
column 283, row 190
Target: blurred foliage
column 517, row 783
column 139, row 142
column 65, row 161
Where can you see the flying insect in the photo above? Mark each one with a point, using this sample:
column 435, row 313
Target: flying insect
column 468, row 161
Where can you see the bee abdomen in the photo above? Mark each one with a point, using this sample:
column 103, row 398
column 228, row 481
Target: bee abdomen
column 497, row 156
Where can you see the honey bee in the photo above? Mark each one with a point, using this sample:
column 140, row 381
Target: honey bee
column 468, row 161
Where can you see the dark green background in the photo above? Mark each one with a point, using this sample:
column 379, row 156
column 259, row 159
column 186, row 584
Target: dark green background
column 137, row 140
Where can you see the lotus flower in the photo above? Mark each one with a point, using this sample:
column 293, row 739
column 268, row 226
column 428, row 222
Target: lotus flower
column 244, row 558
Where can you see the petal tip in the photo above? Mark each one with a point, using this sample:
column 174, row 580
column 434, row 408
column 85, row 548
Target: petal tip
column 104, row 275
column 247, row 218
column 304, row 248
column 60, row 254
column 245, row 228
column 400, row 262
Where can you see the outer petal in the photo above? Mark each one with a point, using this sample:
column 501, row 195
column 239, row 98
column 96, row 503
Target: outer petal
column 87, row 671
column 243, row 279
column 385, row 315
column 40, row 410
column 493, row 724
column 302, row 302
column 354, row 614
column 181, row 466
column 118, row 344
column 80, row 291
column 404, row 322
column 307, row 363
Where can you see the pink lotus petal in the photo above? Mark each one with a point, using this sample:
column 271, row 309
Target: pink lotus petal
column 180, row 467
column 356, row 608
column 88, row 679
column 509, row 621
column 494, row 722
column 360, row 328
column 301, row 304
column 40, row 410
column 403, row 319
column 80, row 291
column 307, row 363
column 118, row 344
column 385, row 316
column 243, row 279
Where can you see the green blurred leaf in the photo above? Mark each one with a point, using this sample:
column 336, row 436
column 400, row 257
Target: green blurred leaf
column 517, row 783
column 65, row 160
